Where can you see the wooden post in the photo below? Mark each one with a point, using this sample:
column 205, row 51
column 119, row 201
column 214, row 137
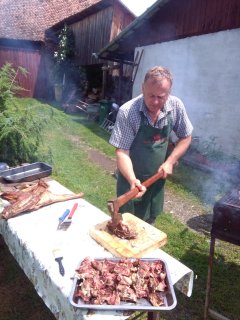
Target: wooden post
column 155, row 315
column 120, row 83
column 104, row 81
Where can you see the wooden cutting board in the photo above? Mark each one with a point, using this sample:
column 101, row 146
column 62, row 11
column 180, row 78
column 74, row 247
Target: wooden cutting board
column 148, row 238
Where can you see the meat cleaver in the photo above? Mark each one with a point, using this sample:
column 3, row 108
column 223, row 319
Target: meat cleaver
column 115, row 204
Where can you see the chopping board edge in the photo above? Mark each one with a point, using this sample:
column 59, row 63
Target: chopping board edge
column 115, row 245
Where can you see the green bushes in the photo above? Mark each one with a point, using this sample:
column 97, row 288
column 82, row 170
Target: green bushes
column 8, row 83
column 21, row 124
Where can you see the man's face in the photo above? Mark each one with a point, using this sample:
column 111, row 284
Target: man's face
column 155, row 93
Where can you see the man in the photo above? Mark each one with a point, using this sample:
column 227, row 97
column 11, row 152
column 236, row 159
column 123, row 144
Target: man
column 141, row 135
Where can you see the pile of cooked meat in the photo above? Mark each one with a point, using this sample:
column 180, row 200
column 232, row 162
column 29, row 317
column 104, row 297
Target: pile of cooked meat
column 109, row 281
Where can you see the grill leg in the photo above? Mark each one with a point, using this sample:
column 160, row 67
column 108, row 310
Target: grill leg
column 209, row 277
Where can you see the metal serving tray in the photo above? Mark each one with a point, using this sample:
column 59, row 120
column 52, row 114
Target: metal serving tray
column 169, row 296
column 28, row 172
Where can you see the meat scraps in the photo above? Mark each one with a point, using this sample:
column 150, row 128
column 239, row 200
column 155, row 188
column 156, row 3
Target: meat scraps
column 121, row 230
column 32, row 198
column 107, row 281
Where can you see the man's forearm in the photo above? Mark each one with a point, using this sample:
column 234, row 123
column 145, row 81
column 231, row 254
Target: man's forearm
column 179, row 150
column 124, row 165
column 167, row 167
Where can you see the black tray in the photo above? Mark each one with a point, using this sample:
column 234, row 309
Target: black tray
column 28, row 172
column 169, row 296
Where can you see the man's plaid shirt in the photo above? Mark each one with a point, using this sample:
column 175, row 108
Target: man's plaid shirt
column 129, row 118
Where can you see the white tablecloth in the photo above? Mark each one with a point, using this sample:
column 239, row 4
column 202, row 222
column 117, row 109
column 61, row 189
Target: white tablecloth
column 32, row 237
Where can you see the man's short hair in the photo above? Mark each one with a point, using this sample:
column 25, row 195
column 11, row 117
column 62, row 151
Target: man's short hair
column 159, row 73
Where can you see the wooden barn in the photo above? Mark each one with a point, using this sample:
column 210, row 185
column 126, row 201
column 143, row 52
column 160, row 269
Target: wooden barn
column 199, row 41
column 93, row 28
column 22, row 34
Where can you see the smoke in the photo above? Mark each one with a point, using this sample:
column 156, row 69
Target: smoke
column 208, row 178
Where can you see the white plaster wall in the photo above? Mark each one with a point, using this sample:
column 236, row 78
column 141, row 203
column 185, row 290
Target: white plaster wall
column 206, row 72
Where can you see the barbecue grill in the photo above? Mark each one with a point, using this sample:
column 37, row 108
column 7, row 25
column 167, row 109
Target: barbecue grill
column 225, row 227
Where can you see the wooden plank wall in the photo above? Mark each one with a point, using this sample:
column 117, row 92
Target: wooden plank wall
column 195, row 17
column 30, row 60
column 120, row 20
column 91, row 34
column 97, row 30
column 185, row 18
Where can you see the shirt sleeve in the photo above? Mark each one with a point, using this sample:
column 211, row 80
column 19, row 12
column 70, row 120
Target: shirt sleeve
column 182, row 126
column 123, row 134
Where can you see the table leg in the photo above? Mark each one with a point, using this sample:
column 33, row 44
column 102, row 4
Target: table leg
column 155, row 315
column 2, row 242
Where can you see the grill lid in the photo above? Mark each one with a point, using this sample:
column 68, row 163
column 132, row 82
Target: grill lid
column 231, row 199
column 226, row 218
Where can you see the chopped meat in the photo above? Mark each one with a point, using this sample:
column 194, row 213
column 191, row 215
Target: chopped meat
column 123, row 267
column 124, row 280
column 127, row 293
column 107, row 296
column 144, row 269
column 121, row 230
column 161, row 286
column 104, row 281
column 110, row 279
column 155, row 299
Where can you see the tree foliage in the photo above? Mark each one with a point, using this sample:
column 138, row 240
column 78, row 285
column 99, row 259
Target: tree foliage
column 65, row 71
column 66, row 45
column 63, row 55
column 20, row 124
column 8, row 83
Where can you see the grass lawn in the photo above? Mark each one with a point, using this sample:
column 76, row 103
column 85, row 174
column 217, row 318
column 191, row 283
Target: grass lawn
column 66, row 140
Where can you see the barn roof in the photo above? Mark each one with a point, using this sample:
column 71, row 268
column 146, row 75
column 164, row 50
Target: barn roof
column 28, row 20
column 88, row 11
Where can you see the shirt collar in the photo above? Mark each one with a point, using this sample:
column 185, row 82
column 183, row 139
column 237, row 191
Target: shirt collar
column 166, row 108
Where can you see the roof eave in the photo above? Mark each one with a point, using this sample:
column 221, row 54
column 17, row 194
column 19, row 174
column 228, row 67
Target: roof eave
column 132, row 27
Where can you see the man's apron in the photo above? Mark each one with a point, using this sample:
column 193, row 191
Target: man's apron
column 148, row 152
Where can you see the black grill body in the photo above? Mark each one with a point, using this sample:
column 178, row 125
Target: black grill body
column 226, row 227
column 226, row 218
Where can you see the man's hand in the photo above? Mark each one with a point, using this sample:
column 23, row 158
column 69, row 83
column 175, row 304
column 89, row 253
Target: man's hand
column 166, row 169
column 181, row 147
column 141, row 188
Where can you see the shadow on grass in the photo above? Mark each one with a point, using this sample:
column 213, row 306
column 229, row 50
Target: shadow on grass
column 201, row 224
column 225, row 288
column 19, row 299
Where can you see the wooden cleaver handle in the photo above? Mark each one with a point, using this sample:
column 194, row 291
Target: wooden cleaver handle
column 124, row 198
